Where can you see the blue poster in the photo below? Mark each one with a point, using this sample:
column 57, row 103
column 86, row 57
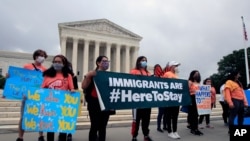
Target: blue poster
column 246, row 119
column 51, row 110
column 19, row 81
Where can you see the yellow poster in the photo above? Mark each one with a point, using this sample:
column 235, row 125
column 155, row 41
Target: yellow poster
column 80, row 103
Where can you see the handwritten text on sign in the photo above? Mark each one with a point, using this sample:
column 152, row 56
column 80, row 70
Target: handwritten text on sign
column 203, row 99
column 51, row 110
column 19, row 81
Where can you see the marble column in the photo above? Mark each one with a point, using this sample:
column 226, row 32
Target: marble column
column 108, row 53
column 135, row 55
column 96, row 53
column 86, row 57
column 118, row 58
column 127, row 59
column 63, row 45
column 74, row 55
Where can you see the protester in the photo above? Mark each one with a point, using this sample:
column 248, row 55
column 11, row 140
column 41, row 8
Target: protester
column 38, row 56
column 208, row 81
column 158, row 72
column 58, row 77
column 224, row 105
column 235, row 97
column 166, row 69
column 142, row 114
column 98, row 118
column 193, row 82
column 173, row 111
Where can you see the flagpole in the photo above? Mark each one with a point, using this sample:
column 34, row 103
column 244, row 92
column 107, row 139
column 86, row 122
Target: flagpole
column 245, row 50
column 246, row 62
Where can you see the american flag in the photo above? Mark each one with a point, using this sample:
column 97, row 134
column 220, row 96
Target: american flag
column 244, row 29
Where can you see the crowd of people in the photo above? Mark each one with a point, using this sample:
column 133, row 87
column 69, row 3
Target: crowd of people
column 232, row 100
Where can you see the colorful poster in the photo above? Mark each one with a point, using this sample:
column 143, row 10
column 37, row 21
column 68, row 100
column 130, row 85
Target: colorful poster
column 203, row 100
column 51, row 110
column 19, row 81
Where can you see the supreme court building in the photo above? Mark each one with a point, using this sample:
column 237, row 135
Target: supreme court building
column 83, row 41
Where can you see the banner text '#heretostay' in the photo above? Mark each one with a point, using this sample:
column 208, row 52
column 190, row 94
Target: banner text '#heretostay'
column 154, row 96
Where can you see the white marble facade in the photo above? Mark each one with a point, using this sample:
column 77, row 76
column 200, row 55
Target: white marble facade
column 83, row 41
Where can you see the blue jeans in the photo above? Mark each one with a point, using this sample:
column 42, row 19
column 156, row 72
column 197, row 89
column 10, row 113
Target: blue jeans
column 238, row 110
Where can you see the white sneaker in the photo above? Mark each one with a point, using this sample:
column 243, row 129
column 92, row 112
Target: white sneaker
column 177, row 135
column 172, row 135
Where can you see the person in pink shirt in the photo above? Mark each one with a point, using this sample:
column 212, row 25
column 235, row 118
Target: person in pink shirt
column 38, row 56
column 58, row 77
column 208, row 81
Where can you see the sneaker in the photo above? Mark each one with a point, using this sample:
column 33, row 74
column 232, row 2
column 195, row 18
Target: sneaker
column 172, row 135
column 160, row 130
column 19, row 139
column 200, row 126
column 147, row 138
column 41, row 138
column 196, row 132
column 209, row 126
column 188, row 126
column 177, row 135
column 69, row 137
column 134, row 139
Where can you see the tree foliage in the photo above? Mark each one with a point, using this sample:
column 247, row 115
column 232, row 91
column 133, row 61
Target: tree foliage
column 236, row 60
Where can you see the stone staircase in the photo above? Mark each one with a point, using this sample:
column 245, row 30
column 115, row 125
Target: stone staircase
column 10, row 113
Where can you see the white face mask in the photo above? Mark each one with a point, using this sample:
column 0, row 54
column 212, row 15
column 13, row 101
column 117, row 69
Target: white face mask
column 40, row 59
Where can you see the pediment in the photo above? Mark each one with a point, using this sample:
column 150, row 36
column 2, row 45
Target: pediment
column 102, row 26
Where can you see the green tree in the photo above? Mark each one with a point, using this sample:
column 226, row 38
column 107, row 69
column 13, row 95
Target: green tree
column 236, row 60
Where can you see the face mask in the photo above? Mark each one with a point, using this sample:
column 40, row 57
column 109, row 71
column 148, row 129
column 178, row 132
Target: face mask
column 144, row 64
column 40, row 59
column 105, row 65
column 176, row 69
column 57, row 66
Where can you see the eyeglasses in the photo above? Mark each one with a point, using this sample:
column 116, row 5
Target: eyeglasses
column 105, row 61
column 59, row 62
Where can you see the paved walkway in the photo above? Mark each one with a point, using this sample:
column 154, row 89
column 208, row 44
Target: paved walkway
column 218, row 133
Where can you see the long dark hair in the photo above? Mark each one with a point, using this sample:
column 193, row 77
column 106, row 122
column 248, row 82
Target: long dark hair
column 205, row 81
column 233, row 73
column 51, row 72
column 191, row 76
column 98, row 60
column 138, row 63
